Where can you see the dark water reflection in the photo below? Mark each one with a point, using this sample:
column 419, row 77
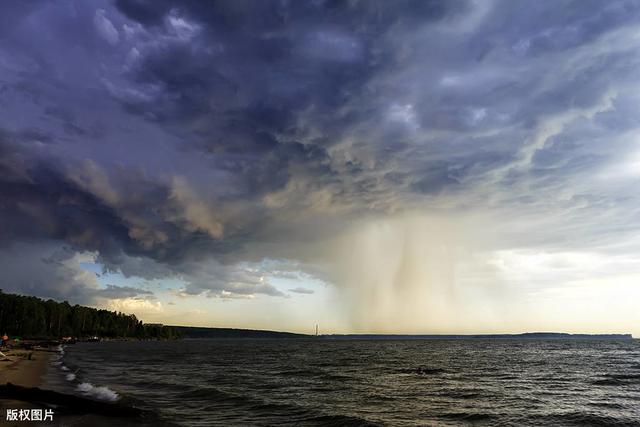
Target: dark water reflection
column 322, row 382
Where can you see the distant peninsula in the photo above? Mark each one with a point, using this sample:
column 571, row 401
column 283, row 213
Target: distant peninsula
column 190, row 332
column 194, row 332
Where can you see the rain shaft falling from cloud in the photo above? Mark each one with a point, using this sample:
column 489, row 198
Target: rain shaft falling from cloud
column 409, row 273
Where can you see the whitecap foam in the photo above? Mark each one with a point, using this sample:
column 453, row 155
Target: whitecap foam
column 100, row 393
column 71, row 377
column 64, row 368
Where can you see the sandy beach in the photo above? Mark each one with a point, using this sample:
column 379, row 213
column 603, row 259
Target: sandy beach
column 25, row 368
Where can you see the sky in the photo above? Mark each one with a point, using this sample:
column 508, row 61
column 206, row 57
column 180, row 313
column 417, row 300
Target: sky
column 367, row 166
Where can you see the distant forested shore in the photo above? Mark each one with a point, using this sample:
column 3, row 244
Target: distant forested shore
column 35, row 318
column 195, row 332
column 32, row 317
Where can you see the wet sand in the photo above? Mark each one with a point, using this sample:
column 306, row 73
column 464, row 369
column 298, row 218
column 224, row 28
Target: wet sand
column 24, row 367
column 28, row 371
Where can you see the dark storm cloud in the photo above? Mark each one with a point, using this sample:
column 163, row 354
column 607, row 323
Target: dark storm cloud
column 38, row 201
column 238, row 79
column 79, row 205
column 164, row 135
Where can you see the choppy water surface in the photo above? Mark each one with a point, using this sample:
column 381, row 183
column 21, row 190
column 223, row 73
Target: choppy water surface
column 323, row 382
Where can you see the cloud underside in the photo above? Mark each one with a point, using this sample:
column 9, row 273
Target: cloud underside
column 195, row 140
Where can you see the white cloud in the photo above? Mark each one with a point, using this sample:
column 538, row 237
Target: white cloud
column 182, row 28
column 105, row 28
column 138, row 306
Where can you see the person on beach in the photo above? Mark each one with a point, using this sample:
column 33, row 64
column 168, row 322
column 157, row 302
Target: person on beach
column 5, row 340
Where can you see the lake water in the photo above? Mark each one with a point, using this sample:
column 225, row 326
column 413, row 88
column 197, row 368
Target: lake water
column 395, row 383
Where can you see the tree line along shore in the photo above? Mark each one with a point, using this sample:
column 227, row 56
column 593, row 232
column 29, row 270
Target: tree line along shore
column 28, row 317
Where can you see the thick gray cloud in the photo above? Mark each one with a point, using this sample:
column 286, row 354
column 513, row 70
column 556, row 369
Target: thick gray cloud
column 194, row 139
column 51, row 270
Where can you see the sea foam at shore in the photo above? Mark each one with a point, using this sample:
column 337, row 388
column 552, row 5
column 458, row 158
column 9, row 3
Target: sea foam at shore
column 83, row 388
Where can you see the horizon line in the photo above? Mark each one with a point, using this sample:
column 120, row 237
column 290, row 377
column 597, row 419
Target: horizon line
column 435, row 335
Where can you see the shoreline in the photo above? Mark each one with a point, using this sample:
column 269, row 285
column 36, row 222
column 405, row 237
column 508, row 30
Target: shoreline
column 17, row 368
column 28, row 371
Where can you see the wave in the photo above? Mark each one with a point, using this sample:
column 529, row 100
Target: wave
column 100, row 393
column 313, row 373
column 553, row 379
column 64, row 368
column 70, row 377
column 610, row 405
column 301, row 372
column 430, row 371
column 421, row 370
column 624, row 376
column 467, row 416
column 340, row 420
column 591, row 419
column 608, row 381
column 617, row 379
column 461, row 394
column 212, row 394
column 158, row 384
column 277, row 412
